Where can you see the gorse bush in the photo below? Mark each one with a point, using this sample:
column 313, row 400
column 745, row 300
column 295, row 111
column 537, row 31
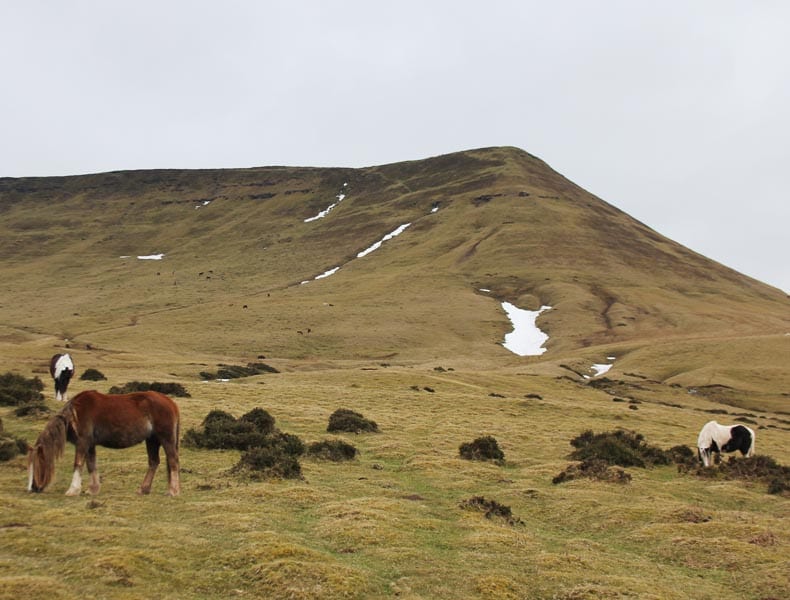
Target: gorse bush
column 483, row 448
column 349, row 421
column 16, row 389
column 170, row 389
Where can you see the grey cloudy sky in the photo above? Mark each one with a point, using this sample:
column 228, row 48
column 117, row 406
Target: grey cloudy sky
column 677, row 112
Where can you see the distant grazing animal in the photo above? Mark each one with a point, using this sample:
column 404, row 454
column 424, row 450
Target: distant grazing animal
column 93, row 419
column 724, row 438
column 61, row 367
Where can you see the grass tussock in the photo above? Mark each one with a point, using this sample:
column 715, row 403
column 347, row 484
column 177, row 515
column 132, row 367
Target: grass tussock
column 169, row 389
column 482, row 448
column 350, row 421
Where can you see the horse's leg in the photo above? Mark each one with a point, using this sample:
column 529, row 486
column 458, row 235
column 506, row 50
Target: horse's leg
column 76, row 479
column 152, row 446
column 94, row 472
column 173, row 468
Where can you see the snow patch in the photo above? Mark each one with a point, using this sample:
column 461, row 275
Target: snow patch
column 525, row 339
column 600, row 369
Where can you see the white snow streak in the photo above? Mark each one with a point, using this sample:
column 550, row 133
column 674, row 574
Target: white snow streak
column 389, row 236
column 340, row 197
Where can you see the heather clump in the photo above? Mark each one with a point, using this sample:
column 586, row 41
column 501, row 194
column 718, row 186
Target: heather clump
column 482, row 448
column 350, row 421
column 169, row 389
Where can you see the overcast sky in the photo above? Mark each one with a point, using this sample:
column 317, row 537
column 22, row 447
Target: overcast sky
column 677, row 112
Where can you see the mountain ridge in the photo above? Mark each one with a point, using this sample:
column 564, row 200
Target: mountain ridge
column 494, row 218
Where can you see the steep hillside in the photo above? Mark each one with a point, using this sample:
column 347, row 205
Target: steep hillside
column 266, row 261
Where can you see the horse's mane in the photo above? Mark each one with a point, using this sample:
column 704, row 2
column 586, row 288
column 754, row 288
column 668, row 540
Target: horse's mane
column 50, row 444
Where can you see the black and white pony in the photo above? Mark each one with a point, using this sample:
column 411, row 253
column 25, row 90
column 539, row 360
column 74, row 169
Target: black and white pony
column 61, row 367
column 724, row 438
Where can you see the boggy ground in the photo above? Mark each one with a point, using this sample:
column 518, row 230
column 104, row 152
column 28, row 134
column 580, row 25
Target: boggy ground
column 392, row 522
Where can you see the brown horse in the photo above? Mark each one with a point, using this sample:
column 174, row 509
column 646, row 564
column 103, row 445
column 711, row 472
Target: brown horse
column 93, row 419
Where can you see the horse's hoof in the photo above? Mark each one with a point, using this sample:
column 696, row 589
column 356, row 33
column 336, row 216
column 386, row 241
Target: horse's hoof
column 73, row 493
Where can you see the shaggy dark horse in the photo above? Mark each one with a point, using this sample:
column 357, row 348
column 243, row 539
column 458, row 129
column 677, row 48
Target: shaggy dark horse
column 93, row 419
column 61, row 367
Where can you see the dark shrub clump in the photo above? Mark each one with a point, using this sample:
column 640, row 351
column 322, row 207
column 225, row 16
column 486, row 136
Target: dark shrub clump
column 33, row 409
column 16, row 389
column 483, row 448
column 170, row 389
column 268, row 463
column 754, row 468
column 92, row 375
column 10, row 446
column 492, row 509
column 277, row 457
column 260, row 419
column 352, row 422
column 623, row 448
column 335, row 450
column 598, row 452
column 236, row 371
column 222, row 431
column 592, row 468
column 267, row 451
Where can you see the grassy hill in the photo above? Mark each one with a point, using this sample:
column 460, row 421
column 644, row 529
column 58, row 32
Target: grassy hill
column 406, row 335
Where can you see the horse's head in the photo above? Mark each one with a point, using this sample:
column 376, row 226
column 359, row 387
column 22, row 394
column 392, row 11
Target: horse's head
column 38, row 475
column 47, row 449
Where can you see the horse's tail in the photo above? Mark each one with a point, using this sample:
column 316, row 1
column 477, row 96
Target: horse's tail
column 48, row 448
column 750, row 452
